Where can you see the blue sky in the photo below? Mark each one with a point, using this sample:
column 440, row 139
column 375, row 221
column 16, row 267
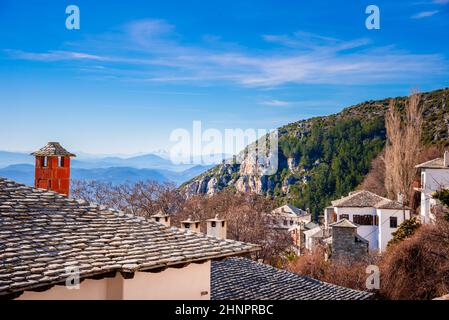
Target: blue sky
column 137, row 70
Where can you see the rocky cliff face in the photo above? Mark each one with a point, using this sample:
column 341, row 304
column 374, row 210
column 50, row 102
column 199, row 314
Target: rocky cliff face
column 324, row 156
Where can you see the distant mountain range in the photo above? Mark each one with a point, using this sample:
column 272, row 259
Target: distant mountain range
column 20, row 167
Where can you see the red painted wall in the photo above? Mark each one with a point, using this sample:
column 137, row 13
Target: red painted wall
column 52, row 175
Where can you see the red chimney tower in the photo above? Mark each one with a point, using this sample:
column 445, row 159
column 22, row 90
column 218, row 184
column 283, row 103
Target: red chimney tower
column 52, row 170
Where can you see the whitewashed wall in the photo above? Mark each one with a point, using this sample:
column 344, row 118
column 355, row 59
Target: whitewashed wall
column 431, row 181
column 370, row 233
column 189, row 283
column 385, row 232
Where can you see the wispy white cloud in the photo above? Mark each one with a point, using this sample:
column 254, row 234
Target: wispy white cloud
column 425, row 14
column 276, row 103
column 152, row 51
column 52, row 55
column 441, row 1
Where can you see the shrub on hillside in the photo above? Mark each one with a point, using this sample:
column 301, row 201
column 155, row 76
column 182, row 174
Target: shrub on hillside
column 344, row 272
column 418, row 267
column 405, row 230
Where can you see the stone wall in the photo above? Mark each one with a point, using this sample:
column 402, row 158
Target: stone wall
column 347, row 244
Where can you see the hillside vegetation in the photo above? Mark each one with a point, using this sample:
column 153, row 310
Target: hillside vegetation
column 324, row 158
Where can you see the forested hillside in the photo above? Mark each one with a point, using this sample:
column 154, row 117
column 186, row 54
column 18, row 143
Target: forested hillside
column 323, row 158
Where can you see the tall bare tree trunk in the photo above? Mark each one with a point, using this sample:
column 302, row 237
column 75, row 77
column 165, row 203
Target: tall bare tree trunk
column 403, row 147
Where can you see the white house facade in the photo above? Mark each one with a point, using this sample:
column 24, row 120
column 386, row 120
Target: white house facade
column 288, row 216
column 376, row 217
column 434, row 176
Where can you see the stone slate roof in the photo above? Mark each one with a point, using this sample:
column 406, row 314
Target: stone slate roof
column 43, row 232
column 316, row 232
column 240, row 278
column 343, row 223
column 437, row 163
column 289, row 209
column 366, row 198
column 53, row 149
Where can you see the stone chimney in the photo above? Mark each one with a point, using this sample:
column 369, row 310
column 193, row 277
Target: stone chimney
column 52, row 169
column 446, row 159
column 161, row 217
column 346, row 242
column 192, row 225
column 400, row 198
column 216, row 227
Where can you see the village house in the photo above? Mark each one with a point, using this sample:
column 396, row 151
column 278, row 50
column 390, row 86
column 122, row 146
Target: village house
column 295, row 221
column 288, row 216
column 313, row 237
column 55, row 247
column 434, row 176
column 376, row 217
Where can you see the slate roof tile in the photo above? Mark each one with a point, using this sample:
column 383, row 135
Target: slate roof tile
column 364, row 198
column 243, row 279
column 51, row 232
column 53, row 149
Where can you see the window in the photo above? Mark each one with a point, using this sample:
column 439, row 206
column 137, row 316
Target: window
column 223, row 224
column 197, row 225
column 285, row 222
column 393, row 222
column 364, row 220
column 376, row 221
column 157, row 219
column 344, row 216
column 334, row 217
column 44, row 161
column 213, row 224
column 187, row 225
column 291, row 222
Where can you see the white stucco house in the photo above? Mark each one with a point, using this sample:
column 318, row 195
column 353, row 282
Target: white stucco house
column 313, row 237
column 434, row 176
column 376, row 217
column 288, row 216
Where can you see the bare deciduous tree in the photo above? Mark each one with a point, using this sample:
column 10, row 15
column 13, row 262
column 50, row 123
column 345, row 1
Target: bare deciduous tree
column 403, row 147
column 374, row 181
column 247, row 218
column 246, row 214
column 143, row 198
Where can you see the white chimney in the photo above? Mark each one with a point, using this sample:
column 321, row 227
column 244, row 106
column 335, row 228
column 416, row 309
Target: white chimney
column 192, row 225
column 400, row 197
column 216, row 227
column 446, row 158
column 161, row 217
